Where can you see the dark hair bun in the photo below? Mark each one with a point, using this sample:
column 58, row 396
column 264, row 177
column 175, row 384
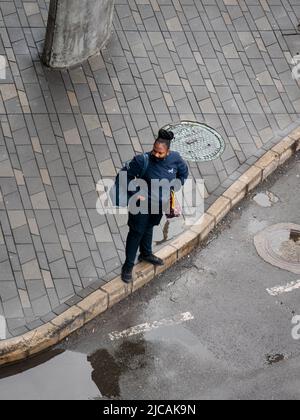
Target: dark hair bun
column 166, row 135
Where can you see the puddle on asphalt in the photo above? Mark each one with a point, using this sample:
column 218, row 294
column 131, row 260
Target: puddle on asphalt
column 67, row 375
column 108, row 369
column 55, row 375
column 60, row 374
column 18, row 368
column 139, row 353
column 267, row 199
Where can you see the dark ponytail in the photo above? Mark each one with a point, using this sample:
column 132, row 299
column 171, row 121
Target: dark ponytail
column 165, row 137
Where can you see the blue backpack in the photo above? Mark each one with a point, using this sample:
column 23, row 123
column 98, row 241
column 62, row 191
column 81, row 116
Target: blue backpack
column 119, row 194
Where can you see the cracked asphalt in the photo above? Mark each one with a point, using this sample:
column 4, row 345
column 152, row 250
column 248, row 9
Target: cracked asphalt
column 237, row 346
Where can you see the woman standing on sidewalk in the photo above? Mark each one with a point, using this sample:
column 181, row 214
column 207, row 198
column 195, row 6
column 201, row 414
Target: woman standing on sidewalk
column 162, row 164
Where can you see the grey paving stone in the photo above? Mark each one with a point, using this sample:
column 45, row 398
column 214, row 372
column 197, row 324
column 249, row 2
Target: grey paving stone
column 19, row 331
column 13, row 309
column 59, row 269
column 73, row 301
column 85, row 292
column 49, row 235
column 64, row 287
column 61, row 309
column 86, row 268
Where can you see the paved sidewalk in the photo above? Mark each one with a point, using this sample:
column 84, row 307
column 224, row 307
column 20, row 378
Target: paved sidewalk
column 223, row 62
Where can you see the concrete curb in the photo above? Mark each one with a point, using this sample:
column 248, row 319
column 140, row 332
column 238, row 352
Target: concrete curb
column 53, row 332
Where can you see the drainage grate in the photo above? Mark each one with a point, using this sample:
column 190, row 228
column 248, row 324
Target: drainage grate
column 196, row 142
column 279, row 245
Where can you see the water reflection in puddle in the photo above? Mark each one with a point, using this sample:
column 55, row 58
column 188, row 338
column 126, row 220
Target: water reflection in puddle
column 108, row 370
column 55, row 375
column 67, row 375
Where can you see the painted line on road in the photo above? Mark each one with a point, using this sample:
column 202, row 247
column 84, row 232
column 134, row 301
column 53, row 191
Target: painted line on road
column 140, row 329
column 279, row 290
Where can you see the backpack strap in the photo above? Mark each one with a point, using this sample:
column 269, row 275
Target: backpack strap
column 146, row 164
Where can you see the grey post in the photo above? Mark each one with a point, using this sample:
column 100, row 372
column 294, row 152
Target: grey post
column 77, row 29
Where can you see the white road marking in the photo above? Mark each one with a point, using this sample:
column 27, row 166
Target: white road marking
column 279, row 290
column 139, row 329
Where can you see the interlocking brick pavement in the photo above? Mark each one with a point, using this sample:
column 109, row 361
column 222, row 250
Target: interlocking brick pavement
column 223, row 62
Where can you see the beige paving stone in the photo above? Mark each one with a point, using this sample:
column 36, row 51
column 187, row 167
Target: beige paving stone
column 91, row 122
column 47, row 279
column 8, row 91
column 94, row 305
column 92, row 84
column 45, row 177
column 143, row 274
column 36, row 145
column 284, row 149
column 39, row 201
column 220, row 208
column 34, row 230
column 174, row 25
column 31, row 8
column 65, row 243
column 268, row 163
column 252, row 177
column 19, row 177
column 106, row 129
column 72, row 98
column 236, row 192
column 17, row 218
column 24, row 299
column 23, row 98
column 72, row 136
column 185, row 243
column 204, row 226
column 116, row 290
column 31, row 270
column 6, row 129
column 68, row 322
column 169, row 255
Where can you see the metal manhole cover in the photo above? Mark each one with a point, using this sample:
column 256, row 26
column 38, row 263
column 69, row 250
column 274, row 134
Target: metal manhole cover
column 196, row 142
column 279, row 245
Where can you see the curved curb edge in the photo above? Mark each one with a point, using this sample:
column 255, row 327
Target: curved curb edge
column 51, row 333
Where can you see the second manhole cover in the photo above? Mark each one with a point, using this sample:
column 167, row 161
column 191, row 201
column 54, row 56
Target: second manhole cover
column 196, row 142
column 279, row 245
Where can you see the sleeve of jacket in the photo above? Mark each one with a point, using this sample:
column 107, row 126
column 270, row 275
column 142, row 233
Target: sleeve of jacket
column 182, row 170
column 135, row 167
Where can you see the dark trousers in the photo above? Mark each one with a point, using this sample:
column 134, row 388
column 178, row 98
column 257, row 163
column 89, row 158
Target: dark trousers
column 140, row 235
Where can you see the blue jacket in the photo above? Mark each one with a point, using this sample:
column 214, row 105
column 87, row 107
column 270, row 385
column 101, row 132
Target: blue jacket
column 171, row 168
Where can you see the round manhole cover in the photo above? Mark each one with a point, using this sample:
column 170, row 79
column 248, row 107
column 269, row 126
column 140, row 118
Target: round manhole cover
column 196, row 142
column 279, row 245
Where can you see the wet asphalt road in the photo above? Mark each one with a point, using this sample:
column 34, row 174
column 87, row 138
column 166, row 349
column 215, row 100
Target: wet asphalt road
column 238, row 346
